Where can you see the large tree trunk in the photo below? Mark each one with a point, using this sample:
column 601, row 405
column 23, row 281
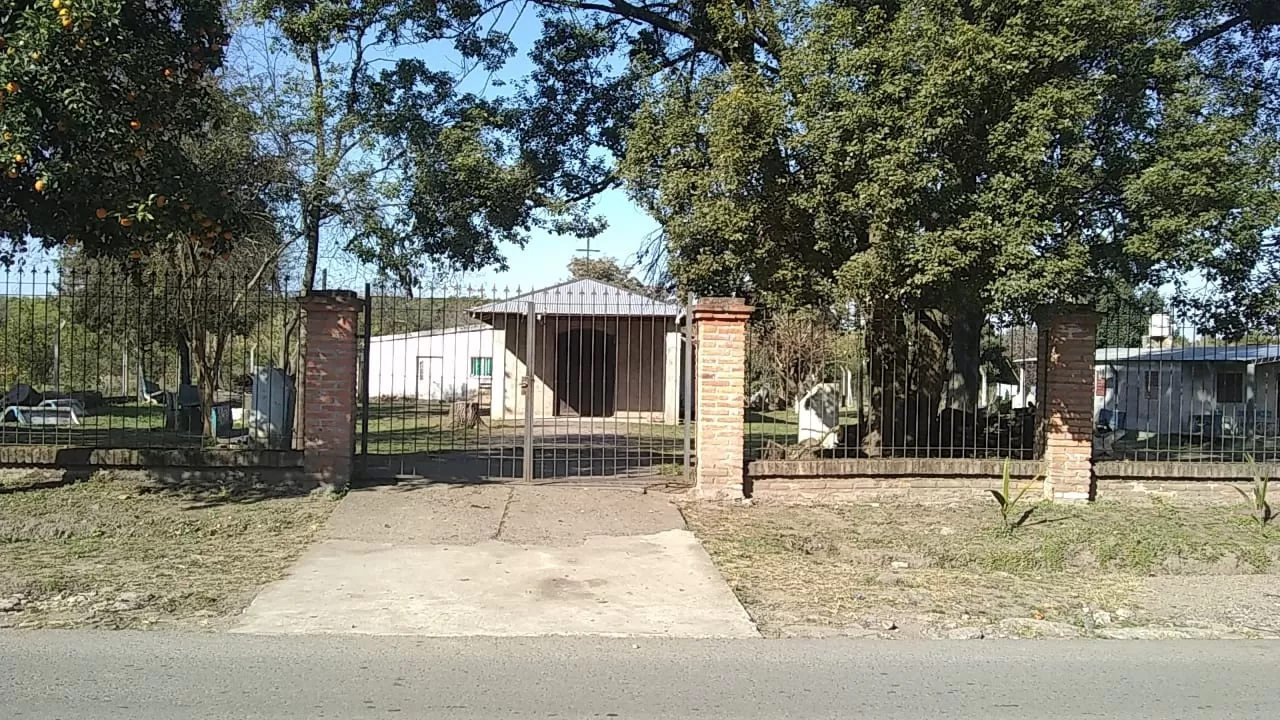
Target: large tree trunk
column 317, row 189
column 184, row 361
column 964, row 358
column 883, row 339
column 311, row 238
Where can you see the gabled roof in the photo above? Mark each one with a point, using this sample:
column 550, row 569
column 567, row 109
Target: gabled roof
column 582, row 297
column 1198, row 353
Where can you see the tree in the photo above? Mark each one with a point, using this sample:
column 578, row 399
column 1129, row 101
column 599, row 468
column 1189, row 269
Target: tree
column 945, row 161
column 790, row 352
column 201, row 290
column 97, row 98
column 1126, row 314
column 387, row 155
column 605, row 269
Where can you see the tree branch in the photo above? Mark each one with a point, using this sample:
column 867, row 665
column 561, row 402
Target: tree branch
column 1221, row 28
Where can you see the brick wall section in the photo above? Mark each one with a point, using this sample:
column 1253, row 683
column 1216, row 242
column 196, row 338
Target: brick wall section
column 860, row 480
column 721, row 333
column 1064, row 399
column 328, row 388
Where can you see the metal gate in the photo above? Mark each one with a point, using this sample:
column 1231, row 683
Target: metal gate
column 582, row 380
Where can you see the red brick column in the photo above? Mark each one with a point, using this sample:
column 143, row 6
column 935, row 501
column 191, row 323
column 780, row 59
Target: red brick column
column 327, row 393
column 1064, row 403
column 721, row 326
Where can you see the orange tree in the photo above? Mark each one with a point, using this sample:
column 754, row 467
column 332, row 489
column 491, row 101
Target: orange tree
column 101, row 102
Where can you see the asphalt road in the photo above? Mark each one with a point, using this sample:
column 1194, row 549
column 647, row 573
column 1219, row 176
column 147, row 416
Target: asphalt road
column 71, row 675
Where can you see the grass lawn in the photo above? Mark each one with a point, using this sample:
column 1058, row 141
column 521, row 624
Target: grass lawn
column 399, row 427
column 115, row 551
column 127, row 425
column 928, row 569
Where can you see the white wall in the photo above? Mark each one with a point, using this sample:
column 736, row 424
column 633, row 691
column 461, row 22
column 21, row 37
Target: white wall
column 1186, row 397
column 429, row 365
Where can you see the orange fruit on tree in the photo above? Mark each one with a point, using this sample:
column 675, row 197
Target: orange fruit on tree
column 13, row 173
column 41, row 185
column 226, row 235
column 168, row 72
column 135, row 124
column 19, row 159
column 101, row 213
column 68, row 22
column 135, row 254
column 161, row 200
column 8, row 137
column 11, row 86
column 126, row 221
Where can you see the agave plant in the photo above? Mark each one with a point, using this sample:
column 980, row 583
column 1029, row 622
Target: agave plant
column 1008, row 502
column 1256, row 496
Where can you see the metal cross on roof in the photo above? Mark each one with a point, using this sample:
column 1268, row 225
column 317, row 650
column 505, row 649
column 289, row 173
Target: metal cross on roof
column 586, row 251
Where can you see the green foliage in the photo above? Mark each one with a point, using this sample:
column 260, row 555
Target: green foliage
column 792, row 350
column 1126, row 313
column 26, row 346
column 1007, row 501
column 99, row 100
column 996, row 156
column 388, row 157
column 1256, row 496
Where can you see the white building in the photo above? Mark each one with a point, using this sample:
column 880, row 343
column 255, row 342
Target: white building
column 1202, row 390
column 598, row 350
column 432, row 365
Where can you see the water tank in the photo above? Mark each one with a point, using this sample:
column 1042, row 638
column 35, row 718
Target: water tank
column 271, row 407
column 1160, row 327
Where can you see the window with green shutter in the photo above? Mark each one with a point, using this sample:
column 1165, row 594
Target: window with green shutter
column 481, row 367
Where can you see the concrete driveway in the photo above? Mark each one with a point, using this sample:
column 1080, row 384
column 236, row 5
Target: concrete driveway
column 502, row 560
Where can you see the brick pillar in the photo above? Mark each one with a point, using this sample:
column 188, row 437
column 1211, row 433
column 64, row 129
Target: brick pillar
column 1064, row 403
column 721, row 326
column 327, row 393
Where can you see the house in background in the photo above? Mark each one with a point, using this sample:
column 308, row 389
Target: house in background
column 432, row 365
column 1208, row 390
column 597, row 350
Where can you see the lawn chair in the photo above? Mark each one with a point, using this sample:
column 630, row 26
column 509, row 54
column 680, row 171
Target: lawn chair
column 151, row 393
column 59, row 412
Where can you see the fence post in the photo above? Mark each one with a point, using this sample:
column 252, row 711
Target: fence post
column 721, row 330
column 328, row 387
column 1064, row 402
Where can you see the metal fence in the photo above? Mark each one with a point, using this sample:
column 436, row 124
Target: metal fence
column 839, row 385
column 1165, row 389
column 584, row 379
column 115, row 357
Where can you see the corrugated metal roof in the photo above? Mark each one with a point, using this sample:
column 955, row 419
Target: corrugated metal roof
column 478, row 327
column 582, row 297
column 1198, row 353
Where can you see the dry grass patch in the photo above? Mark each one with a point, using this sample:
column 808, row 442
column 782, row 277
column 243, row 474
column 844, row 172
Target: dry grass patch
column 117, row 551
column 864, row 565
